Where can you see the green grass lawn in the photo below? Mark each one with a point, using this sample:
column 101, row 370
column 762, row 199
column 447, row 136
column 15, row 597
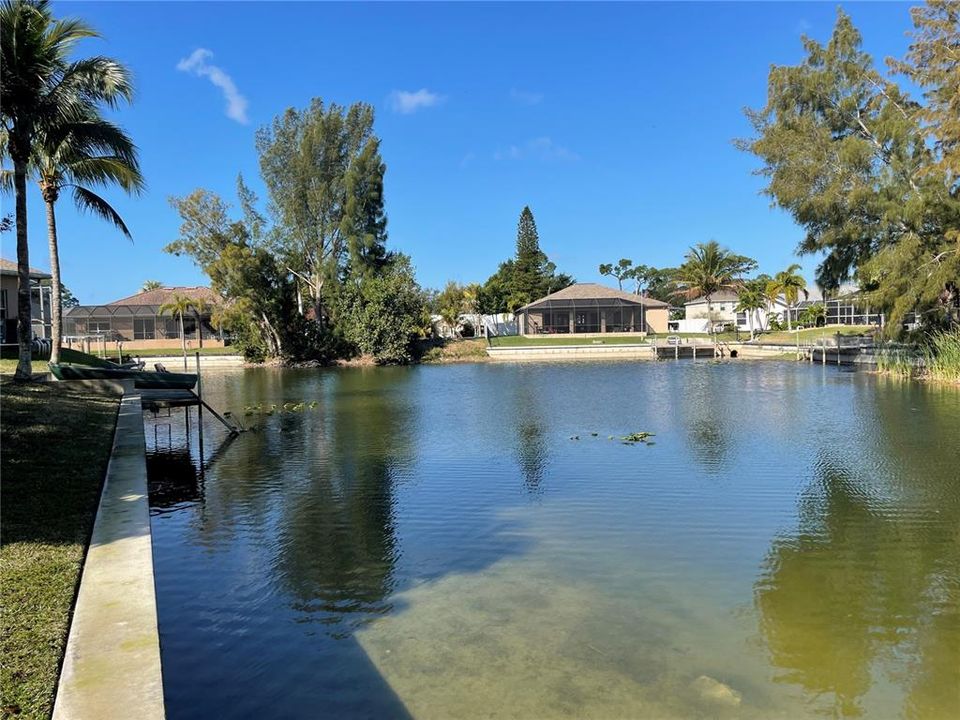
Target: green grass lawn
column 813, row 334
column 177, row 351
column 55, row 444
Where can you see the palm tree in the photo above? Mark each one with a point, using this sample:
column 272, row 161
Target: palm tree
column 790, row 284
column 149, row 285
column 42, row 88
column 178, row 305
column 78, row 155
column 200, row 306
column 751, row 299
column 709, row 268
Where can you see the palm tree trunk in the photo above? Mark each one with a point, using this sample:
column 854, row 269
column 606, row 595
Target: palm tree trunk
column 56, row 292
column 750, row 318
column 789, row 321
column 199, row 331
column 24, row 330
column 183, row 340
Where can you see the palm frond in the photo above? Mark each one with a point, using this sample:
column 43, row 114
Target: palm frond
column 97, row 80
column 106, row 170
column 89, row 201
column 6, row 180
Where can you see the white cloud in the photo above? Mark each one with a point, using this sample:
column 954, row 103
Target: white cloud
column 467, row 159
column 541, row 148
column 406, row 102
column 198, row 65
column 525, row 97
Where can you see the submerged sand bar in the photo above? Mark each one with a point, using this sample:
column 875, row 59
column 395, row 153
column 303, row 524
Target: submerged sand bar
column 112, row 663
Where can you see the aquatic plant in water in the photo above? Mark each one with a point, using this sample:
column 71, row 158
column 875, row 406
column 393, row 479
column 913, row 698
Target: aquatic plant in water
column 637, row 437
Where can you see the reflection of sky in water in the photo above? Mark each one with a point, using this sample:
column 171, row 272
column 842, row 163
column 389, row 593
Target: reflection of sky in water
column 432, row 540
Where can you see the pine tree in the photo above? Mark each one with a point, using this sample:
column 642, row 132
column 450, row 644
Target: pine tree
column 527, row 268
column 528, row 239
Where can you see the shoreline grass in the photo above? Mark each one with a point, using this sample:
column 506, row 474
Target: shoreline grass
column 56, row 443
column 178, row 352
column 935, row 360
column 466, row 350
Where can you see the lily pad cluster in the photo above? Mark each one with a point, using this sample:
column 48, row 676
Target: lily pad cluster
column 631, row 439
column 261, row 409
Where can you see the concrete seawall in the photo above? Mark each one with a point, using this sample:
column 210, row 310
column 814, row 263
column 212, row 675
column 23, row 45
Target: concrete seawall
column 573, row 352
column 174, row 363
column 112, row 664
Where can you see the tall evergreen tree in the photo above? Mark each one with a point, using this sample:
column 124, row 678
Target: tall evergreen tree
column 531, row 275
column 846, row 154
column 324, row 175
column 527, row 268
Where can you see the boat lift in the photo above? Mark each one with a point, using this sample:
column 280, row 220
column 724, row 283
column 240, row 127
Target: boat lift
column 155, row 399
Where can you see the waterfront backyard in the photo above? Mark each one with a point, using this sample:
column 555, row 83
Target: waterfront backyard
column 480, row 540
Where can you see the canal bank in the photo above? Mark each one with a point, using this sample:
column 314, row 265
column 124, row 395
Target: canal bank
column 112, row 664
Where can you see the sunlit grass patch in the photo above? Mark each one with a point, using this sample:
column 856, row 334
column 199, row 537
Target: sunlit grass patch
column 55, row 446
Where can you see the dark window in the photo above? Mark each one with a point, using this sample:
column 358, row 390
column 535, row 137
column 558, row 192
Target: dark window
column 172, row 326
column 98, row 326
column 144, row 328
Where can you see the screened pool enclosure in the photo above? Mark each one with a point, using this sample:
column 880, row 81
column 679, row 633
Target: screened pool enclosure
column 594, row 309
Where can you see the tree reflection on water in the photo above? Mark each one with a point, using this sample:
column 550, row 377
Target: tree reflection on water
column 864, row 586
column 338, row 544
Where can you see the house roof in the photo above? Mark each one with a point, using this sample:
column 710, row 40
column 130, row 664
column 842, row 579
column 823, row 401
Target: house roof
column 718, row 296
column 165, row 295
column 144, row 304
column 8, row 267
column 594, row 292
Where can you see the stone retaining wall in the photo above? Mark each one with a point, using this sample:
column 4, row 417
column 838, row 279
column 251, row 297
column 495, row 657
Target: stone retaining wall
column 111, row 669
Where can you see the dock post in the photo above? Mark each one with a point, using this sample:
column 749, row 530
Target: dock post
column 200, row 406
column 694, row 351
column 676, row 352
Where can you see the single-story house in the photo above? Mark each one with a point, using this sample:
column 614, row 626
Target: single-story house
column 39, row 302
column 593, row 309
column 136, row 321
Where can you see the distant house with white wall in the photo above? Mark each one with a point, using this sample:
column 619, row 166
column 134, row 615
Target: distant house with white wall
column 722, row 310
column 475, row 325
column 847, row 308
column 39, row 302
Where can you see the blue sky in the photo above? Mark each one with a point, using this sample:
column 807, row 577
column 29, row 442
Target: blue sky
column 614, row 122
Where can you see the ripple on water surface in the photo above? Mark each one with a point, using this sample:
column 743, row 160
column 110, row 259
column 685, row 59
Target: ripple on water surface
column 477, row 541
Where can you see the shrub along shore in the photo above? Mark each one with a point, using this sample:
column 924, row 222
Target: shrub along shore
column 56, row 443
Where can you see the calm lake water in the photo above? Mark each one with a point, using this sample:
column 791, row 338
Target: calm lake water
column 433, row 542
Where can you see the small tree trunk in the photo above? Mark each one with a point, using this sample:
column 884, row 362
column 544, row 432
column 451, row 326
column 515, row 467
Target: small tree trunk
column 199, row 331
column 273, row 337
column 56, row 290
column 183, row 339
column 24, row 330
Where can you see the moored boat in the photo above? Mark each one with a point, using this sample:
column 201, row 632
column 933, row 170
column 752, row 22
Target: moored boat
column 143, row 379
